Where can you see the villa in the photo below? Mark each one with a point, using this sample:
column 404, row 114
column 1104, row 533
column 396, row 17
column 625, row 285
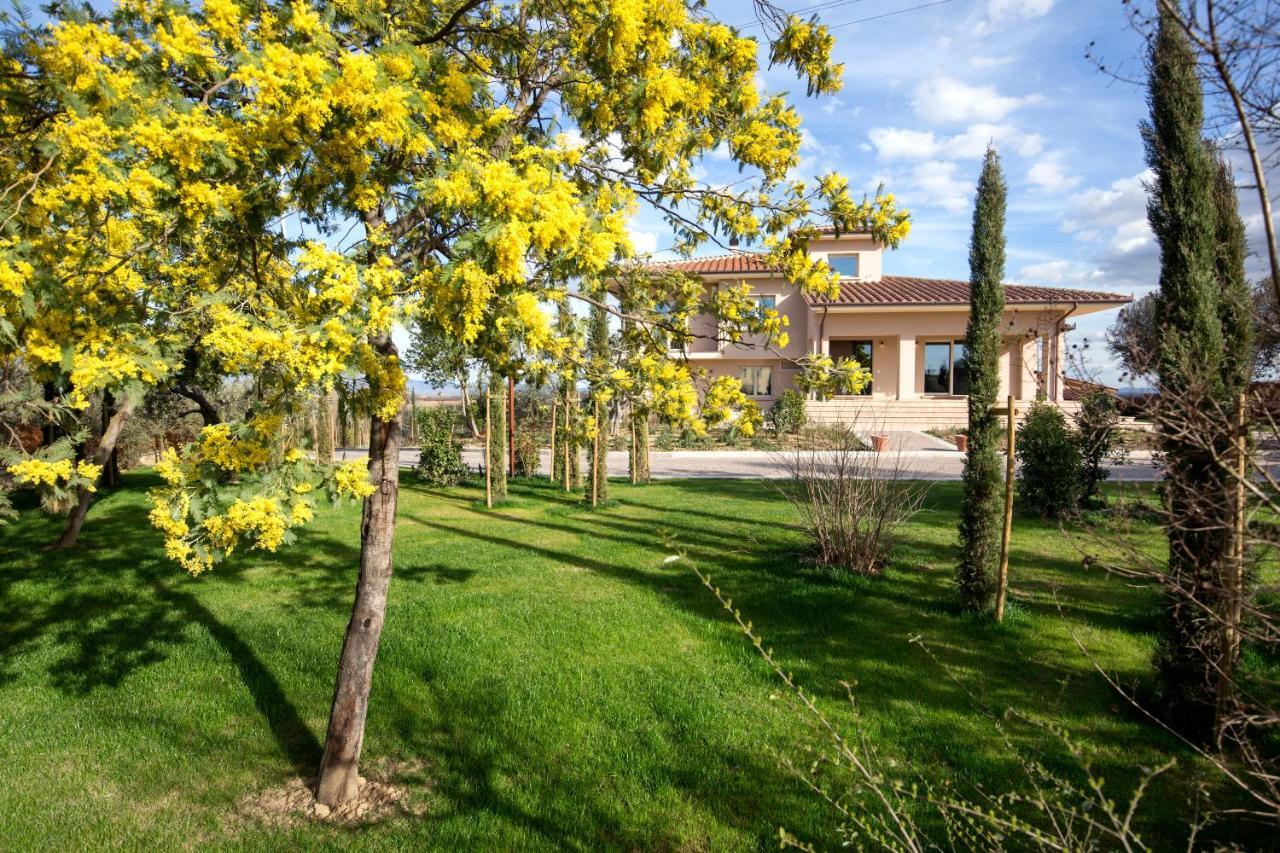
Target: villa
column 908, row 330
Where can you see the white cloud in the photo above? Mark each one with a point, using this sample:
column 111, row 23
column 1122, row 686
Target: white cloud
column 947, row 100
column 1061, row 272
column 937, row 181
column 1049, row 176
column 644, row 242
column 991, row 61
column 1111, row 222
column 998, row 10
column 1115, row 215
column 894, row 143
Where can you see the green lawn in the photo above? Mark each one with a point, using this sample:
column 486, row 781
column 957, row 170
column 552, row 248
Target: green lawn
column 545, row 680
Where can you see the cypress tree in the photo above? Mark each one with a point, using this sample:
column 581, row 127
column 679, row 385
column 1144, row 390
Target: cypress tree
column 496, row 422
column 980, row 512
column 598, row 347
column 1203, row 362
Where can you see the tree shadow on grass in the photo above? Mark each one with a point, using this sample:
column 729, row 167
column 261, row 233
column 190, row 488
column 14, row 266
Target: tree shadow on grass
column 119, row 609
column 482, row 763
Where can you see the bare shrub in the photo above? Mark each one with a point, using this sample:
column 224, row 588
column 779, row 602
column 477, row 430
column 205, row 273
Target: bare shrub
column 851, row 501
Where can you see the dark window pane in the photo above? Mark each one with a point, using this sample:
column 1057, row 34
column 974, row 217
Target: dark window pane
column 862, row 355
column 937, row 368
column 845, row 265
column 960, row 374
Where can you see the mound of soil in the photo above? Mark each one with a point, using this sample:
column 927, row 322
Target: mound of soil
column 295, row 801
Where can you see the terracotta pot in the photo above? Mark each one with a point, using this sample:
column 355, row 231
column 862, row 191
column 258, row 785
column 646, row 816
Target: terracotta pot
column 962, row 442
column 880, row 443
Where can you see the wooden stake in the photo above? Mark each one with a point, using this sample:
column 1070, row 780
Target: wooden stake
column 566, row 471
column 1002, row 582
column 595, row 457
column 634, row 452
column 511, row 426
column 1235, row 578
column 488, row 448
column 551, row 471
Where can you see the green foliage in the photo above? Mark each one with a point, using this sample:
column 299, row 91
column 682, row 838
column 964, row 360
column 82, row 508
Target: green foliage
column 1100, row 441
column 980, row 514
column 824, row 377
column 1204, row 360
column 788, row 414
column 526, row 453
column 1049, row 456
column 439, row 452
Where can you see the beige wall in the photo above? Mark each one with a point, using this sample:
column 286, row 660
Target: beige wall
column 870, row 255
column 781, row 380
column 900, row 336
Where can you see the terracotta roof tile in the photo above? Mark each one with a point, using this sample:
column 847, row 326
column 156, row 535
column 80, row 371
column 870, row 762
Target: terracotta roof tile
column 736, row 262
column 912, row 290
column 896, row 289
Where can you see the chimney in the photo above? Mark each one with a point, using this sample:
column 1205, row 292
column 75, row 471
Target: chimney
column 733, row 242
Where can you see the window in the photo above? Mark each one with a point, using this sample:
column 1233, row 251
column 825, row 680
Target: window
column 845, row 265
column 946, row 368
column 756, row 381
column 859, row 351
column 764, row 303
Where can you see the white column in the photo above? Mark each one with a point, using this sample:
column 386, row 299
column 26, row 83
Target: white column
column 907, row 367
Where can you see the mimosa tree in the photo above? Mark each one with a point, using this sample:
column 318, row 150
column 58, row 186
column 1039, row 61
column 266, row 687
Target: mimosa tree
column 458, row 162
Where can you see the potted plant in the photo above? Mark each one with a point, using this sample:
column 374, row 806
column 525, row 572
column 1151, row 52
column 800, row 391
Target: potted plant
column 962, row 442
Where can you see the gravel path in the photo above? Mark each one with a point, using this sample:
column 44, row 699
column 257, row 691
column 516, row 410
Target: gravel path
column 928, row 464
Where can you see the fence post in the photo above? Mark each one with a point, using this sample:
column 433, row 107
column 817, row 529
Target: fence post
column 551, row 469
column 1002, row 581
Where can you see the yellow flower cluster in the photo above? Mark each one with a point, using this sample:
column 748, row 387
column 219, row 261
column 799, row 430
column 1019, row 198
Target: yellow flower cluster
column 724, row 400
column 46, row 474
column 218, row 447
column 259, row 518
column 351, row 478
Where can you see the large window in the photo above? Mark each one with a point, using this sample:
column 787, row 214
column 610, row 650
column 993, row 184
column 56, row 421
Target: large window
column 946, row 368
column 756, row 381
column 859, row 351
column 845, row 265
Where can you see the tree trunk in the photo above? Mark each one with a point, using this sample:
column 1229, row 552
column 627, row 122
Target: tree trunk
column 325, row 427
column 466, row 405
column 107, row 446
column 339, row 769
column 111, row 468
column 208, row 412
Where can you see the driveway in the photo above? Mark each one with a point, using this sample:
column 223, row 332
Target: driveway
column 923, row 464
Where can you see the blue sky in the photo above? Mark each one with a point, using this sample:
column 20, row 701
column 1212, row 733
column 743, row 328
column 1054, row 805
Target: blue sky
column 924, row 92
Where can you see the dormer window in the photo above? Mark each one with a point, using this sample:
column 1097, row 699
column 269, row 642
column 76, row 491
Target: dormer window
column 846, row 266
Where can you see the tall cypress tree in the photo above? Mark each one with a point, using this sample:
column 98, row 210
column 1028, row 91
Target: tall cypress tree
column 598, row 346
column 980, row 512
column 1202, row 364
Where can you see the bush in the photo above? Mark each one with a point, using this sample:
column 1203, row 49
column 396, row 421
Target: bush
column 439, row 453
column 1100, row 440
column 788, row 415
column 1049, row 453
column 851, row 503
column 526, row 453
